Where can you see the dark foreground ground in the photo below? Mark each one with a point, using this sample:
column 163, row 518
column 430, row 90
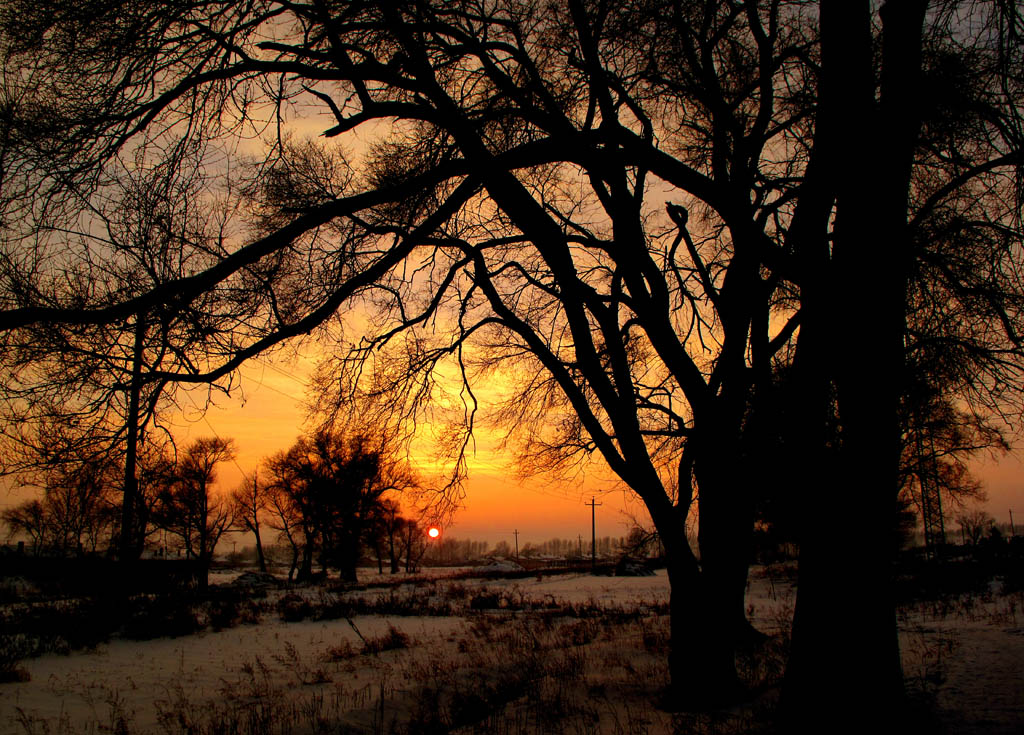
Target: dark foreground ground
column 446, row 652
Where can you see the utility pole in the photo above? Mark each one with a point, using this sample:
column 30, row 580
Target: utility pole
column 593, row 534
column 516, row 534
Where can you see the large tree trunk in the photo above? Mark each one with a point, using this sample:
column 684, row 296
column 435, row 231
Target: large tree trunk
column 349, row 557
column 702, row 664
column 259, row 548
column 394, row 554
column 305, row 572
column 845, row 655
column 726, row 506
column 129, row 547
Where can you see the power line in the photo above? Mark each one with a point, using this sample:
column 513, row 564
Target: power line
column 234, row 460
column 291, row 376
column 278, row 391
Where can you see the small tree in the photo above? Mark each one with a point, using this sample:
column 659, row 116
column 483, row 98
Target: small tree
column 973, row 523
column 189, row 510
column 385, row 534
column 80, row 506
column 28, row 519
column 76, row 513
column 414, row 544
column 285, row 516
column 330, row 485
column 249, row 502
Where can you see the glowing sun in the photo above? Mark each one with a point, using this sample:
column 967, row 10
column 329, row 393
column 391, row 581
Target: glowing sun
column 434, row 532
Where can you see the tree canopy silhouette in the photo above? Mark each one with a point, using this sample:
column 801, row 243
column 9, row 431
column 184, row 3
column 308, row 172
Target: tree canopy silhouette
column 632, row 212
column 188, row 507
column 332, row 485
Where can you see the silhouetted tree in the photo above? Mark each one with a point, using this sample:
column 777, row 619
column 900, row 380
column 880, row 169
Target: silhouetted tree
column 508, row 215
column 414, row 543
column 974, row 523
column 251, row 500
column 28, row 519
column 150, row 223
column 882, row 144
column 334, row 484
column 285, row 517
column 156, row 473
column 80, row 504
column 189, row 509
column 386, row 529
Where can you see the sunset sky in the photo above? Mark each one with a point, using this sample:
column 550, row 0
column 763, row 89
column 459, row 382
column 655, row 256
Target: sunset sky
column 272, row 416
column 496, row 502
column 267, row 414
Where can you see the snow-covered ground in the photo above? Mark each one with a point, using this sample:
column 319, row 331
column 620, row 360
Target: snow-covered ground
column 503, row 669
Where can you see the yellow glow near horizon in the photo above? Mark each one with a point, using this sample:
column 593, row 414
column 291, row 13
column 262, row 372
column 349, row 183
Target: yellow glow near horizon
column 268, row 413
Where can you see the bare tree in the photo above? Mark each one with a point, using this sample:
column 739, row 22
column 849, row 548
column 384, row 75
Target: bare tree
column 974, row 523
column 337, row 482
column 76, row 514
column 148, row 223
column 251, row 501
column 81, row 507
column 285, row 517
column 413, row 540
column 189, row 509
column 386, row 531
column 28, row 519
column 508, row 219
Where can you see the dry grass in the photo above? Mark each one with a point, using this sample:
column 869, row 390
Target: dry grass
column 517, row 665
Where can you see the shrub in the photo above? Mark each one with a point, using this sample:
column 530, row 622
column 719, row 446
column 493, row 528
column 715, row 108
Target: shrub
column 341, row 652
column 162, row 616
column 223, row 614
column 391, row 640
column 294, row 608
column 14, row 648
column 485, row 600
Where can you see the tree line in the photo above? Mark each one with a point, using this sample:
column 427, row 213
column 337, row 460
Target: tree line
column 757, row 258
column 331, row 498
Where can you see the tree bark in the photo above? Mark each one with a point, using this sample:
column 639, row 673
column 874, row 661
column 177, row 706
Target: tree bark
column 702, row 663
column 349, row 558
column 128, row 548
column 726, row 505
column 845, row 654
column 305, row 572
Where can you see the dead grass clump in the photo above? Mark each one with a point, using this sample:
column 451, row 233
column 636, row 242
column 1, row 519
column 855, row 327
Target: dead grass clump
column 293, row 663
column 63, row 625
column 390, row 641
column 579, row 632
column 393, row 602
column 926, row 653
column 223, row 614
column 485, row 600
column 341, row 652
column 293, row 608
column 655, row 638
column 13, row 649
column 163, row 616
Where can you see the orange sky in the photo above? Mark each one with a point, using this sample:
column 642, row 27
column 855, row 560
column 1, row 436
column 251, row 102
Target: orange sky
column 271, row 417
column 496, row 503
column 267, row 415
